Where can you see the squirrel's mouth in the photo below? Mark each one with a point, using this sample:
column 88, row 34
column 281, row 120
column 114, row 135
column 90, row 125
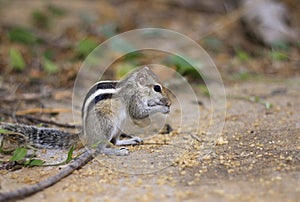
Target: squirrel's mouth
column 159, row 106
column 158, row 102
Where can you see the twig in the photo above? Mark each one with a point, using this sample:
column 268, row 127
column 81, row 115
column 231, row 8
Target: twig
column 64, row 125
column 26, row 191
column 42, row 110
column 25, row 96
column 34, row 118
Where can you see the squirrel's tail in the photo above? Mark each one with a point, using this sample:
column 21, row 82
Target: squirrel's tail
column 40, row 137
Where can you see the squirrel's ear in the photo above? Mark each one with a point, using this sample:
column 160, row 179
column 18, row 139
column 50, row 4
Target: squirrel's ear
column 142, row 75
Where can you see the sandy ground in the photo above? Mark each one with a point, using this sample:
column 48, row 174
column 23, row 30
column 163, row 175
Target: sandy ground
column 256, row 159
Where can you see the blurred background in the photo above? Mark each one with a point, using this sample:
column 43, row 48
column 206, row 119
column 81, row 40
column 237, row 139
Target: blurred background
column 45, row 42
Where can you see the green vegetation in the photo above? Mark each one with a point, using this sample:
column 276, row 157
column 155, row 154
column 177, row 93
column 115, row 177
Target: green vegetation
column 242, row 55
column 16, row 60
column 41, row 19
column 182, row 66
column 49, row 66
column 124, row 68
column 244, row 76
column 278, row 55
column 21, row 157
column 22, row 35
column 85, row 47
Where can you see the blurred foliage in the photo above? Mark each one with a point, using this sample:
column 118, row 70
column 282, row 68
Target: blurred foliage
column 123, row 69
column 241, row 54
column 57, row 38
column 16, row 60
column 49, row 66
column 41, row 19
column 182, row 66
column 279, row 55
column 243, row 76
column 22, row 35
column 49, row 54
column 85, row 47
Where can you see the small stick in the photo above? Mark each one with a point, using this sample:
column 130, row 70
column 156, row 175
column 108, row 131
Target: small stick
column 42, row 110
column 26, row 191
column 25, row 96
column 64, row 125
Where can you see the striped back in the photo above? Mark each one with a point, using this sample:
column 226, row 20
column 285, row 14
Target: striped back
column 99, row 91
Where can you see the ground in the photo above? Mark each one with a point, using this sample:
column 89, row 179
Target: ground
column 255, row 158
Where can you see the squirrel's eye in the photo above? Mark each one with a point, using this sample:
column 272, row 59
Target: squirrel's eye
column 157, row 88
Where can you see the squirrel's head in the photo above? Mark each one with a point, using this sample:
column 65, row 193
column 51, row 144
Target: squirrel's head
column 152, row 94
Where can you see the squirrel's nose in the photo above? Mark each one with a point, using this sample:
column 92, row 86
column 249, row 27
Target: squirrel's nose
column 165, row 101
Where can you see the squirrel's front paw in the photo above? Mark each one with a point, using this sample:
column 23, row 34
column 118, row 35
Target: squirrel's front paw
column 131, row 141
column 123, row 151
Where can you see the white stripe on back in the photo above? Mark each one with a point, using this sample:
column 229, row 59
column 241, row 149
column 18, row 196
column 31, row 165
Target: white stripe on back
column 92, row 98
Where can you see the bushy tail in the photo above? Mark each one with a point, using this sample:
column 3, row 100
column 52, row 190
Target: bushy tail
column 42, row 137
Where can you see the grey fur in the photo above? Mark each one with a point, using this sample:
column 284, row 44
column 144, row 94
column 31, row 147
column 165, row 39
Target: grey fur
column 135, row 98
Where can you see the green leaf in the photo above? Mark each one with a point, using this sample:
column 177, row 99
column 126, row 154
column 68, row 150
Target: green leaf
column 70, row 153
column 278, row 55
column 19, row 154
column 49, row 66
column 22, row 35
column 242, row 76
column 85, row 46
column 183, row 66
column 16, row 59
column 4, row 131
column 49, row 54
column 242, row 55
column 35, row 162
column 123, row 69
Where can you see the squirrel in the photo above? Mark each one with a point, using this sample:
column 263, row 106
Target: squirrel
column 105, row 108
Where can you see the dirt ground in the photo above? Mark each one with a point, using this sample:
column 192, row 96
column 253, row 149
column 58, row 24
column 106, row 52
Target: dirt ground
column 256, row 158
